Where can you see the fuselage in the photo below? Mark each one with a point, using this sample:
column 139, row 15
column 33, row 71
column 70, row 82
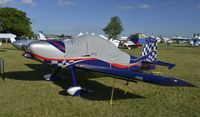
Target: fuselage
column 55, row 53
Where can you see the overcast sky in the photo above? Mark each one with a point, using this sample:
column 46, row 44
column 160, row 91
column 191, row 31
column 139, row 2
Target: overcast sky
column 151, row 17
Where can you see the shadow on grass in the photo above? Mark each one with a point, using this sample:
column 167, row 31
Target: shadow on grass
column 101, row 92
column 8, row 48
column 2, row 50
column 38, row 70
column 2, row 76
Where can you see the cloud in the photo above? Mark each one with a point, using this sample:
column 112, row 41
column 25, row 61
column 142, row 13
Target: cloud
column 65, row 2
column 6, row 2
column 145, row 6
column 131, row 7
column 125, row 7
column 198, row 5
column 28, row 2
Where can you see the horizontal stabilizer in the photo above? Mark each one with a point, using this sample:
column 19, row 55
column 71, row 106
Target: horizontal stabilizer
column 169, row 65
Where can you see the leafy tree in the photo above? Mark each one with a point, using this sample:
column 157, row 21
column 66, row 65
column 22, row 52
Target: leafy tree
column 1, row 26
column 15, row 21
column 114, row 27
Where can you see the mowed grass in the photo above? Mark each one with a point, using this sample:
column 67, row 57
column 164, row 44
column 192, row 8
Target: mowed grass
column 24, row 93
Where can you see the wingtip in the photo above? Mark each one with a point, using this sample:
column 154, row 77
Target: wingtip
column 171, row 66
column 183, row 83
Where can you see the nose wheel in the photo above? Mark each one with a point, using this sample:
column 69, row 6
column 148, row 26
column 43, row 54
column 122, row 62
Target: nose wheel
column 74, row 90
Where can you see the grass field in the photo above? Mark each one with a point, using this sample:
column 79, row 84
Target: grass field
column 24, row 93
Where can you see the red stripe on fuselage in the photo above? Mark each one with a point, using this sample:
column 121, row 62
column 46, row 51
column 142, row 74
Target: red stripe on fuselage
column 82, row 58
column 60, row 59
column 124, row 66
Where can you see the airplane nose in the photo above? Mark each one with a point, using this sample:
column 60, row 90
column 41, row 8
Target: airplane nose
column 45, row 49
column 39, row 47
column 19, row 43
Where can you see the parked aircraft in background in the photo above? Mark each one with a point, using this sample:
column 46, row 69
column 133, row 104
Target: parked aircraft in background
column 163, row 40
column 96, row 54
column 80, row 34
column 113, row 41
column 41, row 36
column 195, row 41
column 122, row 38
column 135, row 40
column 9, row 36
column 179, row 39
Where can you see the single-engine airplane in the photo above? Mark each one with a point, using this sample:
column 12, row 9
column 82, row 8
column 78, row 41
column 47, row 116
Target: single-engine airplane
column 94, row 53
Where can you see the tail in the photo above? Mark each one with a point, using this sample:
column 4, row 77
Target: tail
column 149, row 53
column 12, row 39
column 80, row 34
column 41, row 36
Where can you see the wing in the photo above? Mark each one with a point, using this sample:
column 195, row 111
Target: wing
column 149, row 78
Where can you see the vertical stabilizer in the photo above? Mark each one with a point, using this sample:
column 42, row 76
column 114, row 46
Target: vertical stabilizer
column 149, row 53
column 41, row 36
column 12, row 39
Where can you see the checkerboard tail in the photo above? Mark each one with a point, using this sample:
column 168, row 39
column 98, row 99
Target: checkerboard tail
column 149, row 52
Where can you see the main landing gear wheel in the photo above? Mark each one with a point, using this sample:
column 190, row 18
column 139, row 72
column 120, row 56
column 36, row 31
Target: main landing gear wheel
column 78, row 91
column 54, row 75
column 51, row 77
column 74, row 91
column 47, row 77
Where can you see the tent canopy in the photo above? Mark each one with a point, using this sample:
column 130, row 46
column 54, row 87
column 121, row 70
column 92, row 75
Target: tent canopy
column 7, row 35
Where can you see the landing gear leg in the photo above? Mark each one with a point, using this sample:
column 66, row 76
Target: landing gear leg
column 76, row 90
column 72, row 69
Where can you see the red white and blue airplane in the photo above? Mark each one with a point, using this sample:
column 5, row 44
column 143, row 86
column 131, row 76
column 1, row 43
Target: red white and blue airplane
column 94, row 53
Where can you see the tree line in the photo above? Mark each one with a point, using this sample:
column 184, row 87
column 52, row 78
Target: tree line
column 16, row 21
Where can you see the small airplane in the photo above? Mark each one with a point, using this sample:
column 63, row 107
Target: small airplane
column 135, row 40
column 80, row 34
column 195, row 41
column 179, row 39
column 96, row 54
column 161, row 39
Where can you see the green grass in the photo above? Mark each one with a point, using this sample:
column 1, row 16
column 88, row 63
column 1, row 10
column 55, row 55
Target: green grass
column 25, row 93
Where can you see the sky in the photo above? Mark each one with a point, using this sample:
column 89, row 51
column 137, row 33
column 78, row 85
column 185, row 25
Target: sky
column 151, row 17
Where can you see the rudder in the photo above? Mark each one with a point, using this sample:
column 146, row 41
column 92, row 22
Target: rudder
column 149, row 53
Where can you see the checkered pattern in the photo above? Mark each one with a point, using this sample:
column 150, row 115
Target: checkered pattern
column 149, row 52
column 58, row 63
